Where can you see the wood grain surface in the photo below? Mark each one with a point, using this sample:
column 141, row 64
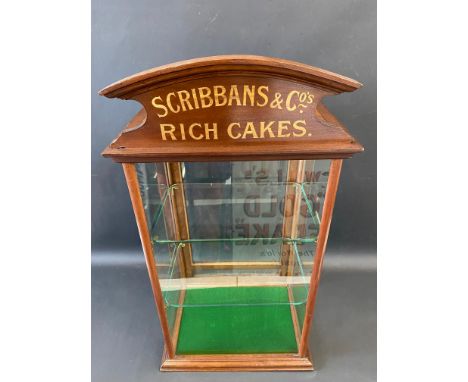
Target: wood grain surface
column 232, row 108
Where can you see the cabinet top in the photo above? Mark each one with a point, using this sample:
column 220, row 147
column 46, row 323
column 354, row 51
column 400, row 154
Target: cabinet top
column 232, row 108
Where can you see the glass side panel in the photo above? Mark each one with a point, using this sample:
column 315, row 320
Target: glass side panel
column 234, row 245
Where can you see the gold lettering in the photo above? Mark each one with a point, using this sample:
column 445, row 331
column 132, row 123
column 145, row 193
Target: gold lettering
column 263, row 95
column 169, row 104
column 229, row 130
column 182, row 131
column 213, row 130
column 266, row 128
column 299, row 125
column 195, row 98
column 163, row 127
column 234, row 95
column 249, row 91
column 288, row 100
column 283, row 125
column 196, row 137
column 184, row 97
column 159, row 106
column 205, row 93
column 219, row 92
column 250, row 130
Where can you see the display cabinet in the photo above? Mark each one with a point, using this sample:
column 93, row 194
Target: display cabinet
column 232, row 166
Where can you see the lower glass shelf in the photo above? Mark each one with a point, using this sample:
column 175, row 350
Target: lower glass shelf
column 245, row 328
column 230, row 283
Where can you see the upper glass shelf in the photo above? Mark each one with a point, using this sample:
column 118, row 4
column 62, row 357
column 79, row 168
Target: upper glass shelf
column 235, row 212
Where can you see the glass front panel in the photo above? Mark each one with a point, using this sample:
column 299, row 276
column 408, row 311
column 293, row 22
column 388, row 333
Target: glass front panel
column 234, row 244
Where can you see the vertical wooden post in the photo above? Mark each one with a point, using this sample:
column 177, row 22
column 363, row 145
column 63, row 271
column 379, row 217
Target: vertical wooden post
column 174, row 176
column 138, row 209
column 330, row 196
column 291, row 213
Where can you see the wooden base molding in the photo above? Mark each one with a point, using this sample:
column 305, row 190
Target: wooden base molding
column 237, row 362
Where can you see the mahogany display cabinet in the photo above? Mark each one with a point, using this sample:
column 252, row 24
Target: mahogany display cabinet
column 233, row 166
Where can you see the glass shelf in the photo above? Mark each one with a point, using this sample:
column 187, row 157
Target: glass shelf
column 214, row 209
column 230, row 286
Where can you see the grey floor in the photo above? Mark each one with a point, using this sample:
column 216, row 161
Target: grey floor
column 127, row 342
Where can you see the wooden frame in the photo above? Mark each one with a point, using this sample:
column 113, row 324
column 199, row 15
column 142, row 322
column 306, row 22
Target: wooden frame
column 137, row 203
column 177, row 200
column 295, row 175
column 277, row 94
column 332, row 187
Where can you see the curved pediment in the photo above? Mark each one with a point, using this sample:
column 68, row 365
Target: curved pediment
column 232, row 108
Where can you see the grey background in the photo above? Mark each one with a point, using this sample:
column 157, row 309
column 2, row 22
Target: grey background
column 133, row 35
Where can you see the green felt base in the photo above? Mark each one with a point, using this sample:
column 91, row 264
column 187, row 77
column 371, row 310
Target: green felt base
column 244, row 329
